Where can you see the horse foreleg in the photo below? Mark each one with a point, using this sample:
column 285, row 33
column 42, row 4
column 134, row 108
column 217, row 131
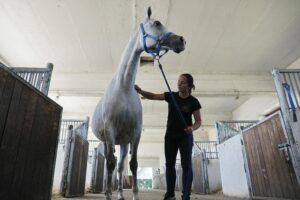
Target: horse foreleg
column 133, row 167
column 123, row 153
column 110, row 166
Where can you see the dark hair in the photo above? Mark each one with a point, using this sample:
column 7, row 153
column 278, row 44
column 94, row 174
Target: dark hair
column 190, row 81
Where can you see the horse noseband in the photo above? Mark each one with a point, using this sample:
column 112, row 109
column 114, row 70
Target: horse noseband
column 159, row 41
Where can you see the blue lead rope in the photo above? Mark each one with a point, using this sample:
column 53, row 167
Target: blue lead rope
column 189, row 173
column 156, row 56
column 172, row 97
column 288, row 91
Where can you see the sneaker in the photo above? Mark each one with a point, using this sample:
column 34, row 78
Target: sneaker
column 169, row 197
column 184, row 198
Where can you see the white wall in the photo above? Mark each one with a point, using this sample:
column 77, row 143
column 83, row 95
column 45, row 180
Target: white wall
column 255, row 107
column 212, row 134
column 233, row 176
column 60, row 156
column 88, row 178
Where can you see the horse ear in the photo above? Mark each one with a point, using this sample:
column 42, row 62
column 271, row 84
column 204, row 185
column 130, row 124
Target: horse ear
column 149, row 12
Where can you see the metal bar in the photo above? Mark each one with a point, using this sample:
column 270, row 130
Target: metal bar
column 34, row 80
column 64, row 128
column 228, row 129
column 80, row 127
column 63, row 186
column 282, row 71
column 93, row 144
column 29, row 75
column 48, row 78
column 283, row 78
column 210, row 147
column 29, row 70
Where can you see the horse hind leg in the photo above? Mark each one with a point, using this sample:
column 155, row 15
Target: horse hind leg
column 133, row 167
column 110, row 166
column 123, row 154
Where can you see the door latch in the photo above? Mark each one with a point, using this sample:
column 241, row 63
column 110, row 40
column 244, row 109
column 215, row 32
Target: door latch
column 285, row 148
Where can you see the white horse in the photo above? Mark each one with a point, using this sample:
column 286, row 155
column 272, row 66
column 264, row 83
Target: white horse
column 117, row 119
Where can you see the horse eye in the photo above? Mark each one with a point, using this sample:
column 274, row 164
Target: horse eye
column 157, row 23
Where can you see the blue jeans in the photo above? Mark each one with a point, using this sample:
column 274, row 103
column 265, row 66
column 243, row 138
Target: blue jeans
column 185, row 146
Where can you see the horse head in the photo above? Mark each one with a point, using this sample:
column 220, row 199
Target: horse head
column 155, row 37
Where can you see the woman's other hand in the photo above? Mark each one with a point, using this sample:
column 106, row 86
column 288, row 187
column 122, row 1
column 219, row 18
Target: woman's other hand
column 189, row 130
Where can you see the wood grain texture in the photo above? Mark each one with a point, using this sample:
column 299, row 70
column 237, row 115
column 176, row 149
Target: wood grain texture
column 270, row 173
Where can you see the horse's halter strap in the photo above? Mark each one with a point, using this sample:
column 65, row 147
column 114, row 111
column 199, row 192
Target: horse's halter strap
column 159, row 41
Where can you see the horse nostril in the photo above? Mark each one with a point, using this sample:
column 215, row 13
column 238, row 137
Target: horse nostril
column 182, row 40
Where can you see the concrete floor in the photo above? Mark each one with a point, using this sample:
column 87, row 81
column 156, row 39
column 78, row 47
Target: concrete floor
column 147, row 195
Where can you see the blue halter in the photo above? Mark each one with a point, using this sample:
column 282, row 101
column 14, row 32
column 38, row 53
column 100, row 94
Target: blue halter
column 156, row 51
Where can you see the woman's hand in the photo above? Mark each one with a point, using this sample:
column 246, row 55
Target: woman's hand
column 137, row 88
column 149, row 95
column 189, row 130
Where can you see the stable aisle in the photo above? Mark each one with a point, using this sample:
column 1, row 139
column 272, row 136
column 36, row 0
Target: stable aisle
column 147, row 195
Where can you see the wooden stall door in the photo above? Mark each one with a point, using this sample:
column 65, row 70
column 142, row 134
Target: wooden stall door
column 98, row 172
column 199, row 181
column 29, row 128
column 270, row 169
column 73, row 182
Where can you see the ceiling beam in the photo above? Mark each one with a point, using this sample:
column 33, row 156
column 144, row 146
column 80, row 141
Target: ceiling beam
column 211, row 93
column 207, row 85
column 159, row 120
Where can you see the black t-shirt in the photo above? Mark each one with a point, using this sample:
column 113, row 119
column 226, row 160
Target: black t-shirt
column 187, row 106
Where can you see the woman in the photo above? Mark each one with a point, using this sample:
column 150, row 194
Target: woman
column 177, row 136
